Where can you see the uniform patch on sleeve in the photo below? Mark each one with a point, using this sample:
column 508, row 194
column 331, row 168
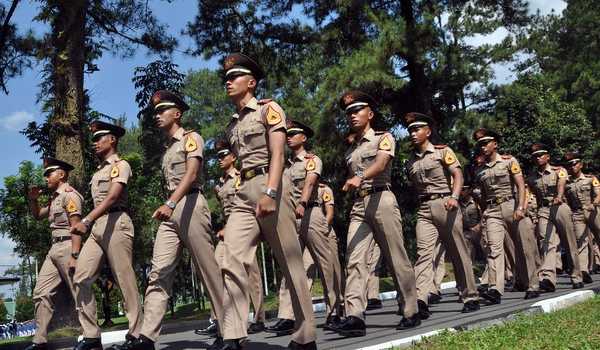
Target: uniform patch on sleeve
column 71, row 206
column 237, row 184
column 385, row 144
column 515, row 168
column 595, row 182
column 190, row 144
column 326, row 197
column 311, row 165
column 114, row 172
column 273, row 117
column 562, row 173
column 449, row 158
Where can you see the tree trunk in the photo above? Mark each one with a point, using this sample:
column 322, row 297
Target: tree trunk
column 68, row 39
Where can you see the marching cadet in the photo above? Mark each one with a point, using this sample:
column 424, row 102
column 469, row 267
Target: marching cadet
column 548, row 183
column 63, row 211
column 304, row 170
column 504, row 215
column 437, row 176
column 263, row 205
column 228, row 186
column 184, row 220
column 375, row 215
column 111, row 238
column 583, row 196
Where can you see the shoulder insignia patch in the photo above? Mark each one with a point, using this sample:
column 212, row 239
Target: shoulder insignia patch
column 326, row 197
column 515, row 168
column 273, row 117
column 595, row 182
column 238, row 182
column 449, row 158
column 562, row 173
column 440, row 146
column 310, row 165
column 114, row 172
column 385, row 144
column 190, row 144
column 71, row 206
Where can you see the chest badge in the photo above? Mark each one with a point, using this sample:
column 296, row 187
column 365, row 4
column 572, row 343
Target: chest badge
column 449, row 159
column 515, row 168
column 190, row 144
column 114, row 172
column 311, row 165
column 385, row 144
column 273, row 117
column 71, row 206
column 326, row 197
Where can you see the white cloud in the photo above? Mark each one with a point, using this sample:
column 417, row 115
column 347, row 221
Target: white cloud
column 15, row 121
column 546, row 6
column 7, row 256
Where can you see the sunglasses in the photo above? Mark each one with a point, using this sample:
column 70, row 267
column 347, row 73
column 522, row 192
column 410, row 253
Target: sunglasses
column 222, row 155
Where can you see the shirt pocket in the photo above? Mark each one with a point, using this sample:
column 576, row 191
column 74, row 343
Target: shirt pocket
column 103, row 185
column 254, row 137
column 367, row 158
column 501, row 176
column 178, row 167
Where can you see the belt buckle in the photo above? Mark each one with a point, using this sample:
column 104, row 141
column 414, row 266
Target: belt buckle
column 363, row 193
column 250, row 174
column 498, row 200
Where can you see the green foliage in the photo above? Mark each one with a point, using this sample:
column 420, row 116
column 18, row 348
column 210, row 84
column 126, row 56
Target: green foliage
column 3, row 312
column 24, row 309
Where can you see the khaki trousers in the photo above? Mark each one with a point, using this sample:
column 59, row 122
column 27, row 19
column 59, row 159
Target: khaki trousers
column 520, row 247
column 378, row 217
column 374, row 264
column 242, row 233
column 338, row 277
column 256, row 290
column 435, row 223
column 286, row 310
column 587, row 226
column 556, row 226
column 54, row 271
column 111, row 238
column 439, row 268
column 313, row 231
column 189, row 227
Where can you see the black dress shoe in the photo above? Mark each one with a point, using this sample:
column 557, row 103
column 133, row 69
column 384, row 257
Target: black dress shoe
column 586, row 277
column 373, row 304
column 508, row 284
column 400, row 310
column 434, row 298
column 352, row 327
column 129, row 343
column 142, row 343
column 89, row 344
column 282, row 327
column 423, row 312
column 217, row 345
column 230, row 344
column 578, row 285
column 532, row 294
column 40, row 346
column 212, row 330
column 332, row 323
column 547, row 286
column 518, row 287
column 308, row 346
column 492, row 296
column 410, row 322
column 256, row 327
column 470, row 306
column 482, row 288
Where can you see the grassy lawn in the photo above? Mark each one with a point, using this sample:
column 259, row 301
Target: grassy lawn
column 576, row 327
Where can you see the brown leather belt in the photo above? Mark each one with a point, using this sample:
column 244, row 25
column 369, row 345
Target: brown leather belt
column 432, row 196
column 261, row 170
column 60, row 239
column 369, row 191
column 498, row 200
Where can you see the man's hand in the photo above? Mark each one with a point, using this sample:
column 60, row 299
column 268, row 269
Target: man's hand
column 34, row 193
column 163, row 213
column 221, row 234
column 265, row 206
column 451, row 204
column 72, row 264
column 518, row 215
column 352, row 183
column 79, row 229
column 299, row 211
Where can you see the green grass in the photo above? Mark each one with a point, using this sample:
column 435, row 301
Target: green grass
column 576, row 327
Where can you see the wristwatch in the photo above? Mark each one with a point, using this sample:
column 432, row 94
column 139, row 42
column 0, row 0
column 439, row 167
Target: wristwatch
column 171, row 204
column 75, row 255
column 87, row 222
column 270, row 192
column 360, row 173
column 520, row 208
column 453, row 196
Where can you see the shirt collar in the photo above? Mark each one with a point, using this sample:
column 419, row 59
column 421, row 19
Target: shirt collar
column 110, row 160
column 369, row 135
column 493, row 161
column 252, row 105
column 430, row 149
column 178, row 135
column 233, row 172
column 61, row 189
column 547, row 170
column 300, row 155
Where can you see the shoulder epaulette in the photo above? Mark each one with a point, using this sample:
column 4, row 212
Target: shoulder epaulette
column 378, row 133
column 264, row 101
column 506, row 156
column 589, row 176
column 68, row 189
column 185, row 132
column 309, row 156
column 440, row 146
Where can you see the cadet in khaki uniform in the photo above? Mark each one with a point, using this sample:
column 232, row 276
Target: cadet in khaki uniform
column 583, row 196
column 185, row 220
column 375, row 215
column 437, row 176
column 228, row 186
column 262, row 205
column 548, row 182
column 111, row 238
column 63, row 211
column 304, row 170
column 503, row 192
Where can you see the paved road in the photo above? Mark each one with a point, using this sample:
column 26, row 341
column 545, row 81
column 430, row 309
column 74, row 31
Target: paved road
column 381, row 323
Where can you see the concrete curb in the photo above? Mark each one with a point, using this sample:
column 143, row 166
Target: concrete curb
column 408, row 341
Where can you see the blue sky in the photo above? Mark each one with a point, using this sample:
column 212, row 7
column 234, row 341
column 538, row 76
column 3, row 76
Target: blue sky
column 111, row 89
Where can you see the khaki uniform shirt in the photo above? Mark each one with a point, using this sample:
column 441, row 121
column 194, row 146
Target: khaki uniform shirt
column 532, row 205
column 495, row 177
column 182, row 146
column 66, row 202
column 248, row 132
column 471, row 215
column 544, row 184
column 298, row 169
column 429, row 171
column 226, row 189
column 112, row 169
column 362, row 153
column 581, row 191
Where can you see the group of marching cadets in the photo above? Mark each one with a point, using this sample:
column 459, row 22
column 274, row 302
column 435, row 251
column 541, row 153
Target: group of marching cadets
column 287, row 204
